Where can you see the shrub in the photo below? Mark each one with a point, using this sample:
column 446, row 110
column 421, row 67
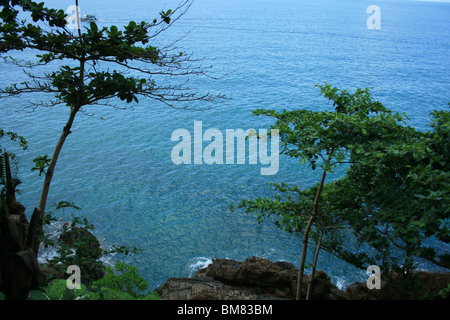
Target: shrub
column 123, row 283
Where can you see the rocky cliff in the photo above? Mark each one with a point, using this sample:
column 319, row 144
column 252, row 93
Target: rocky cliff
column 260, row 279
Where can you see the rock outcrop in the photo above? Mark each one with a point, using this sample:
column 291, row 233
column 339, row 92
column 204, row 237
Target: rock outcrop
column 87, row 253
column 421, row 285
column 260, row 279
column 254, row 279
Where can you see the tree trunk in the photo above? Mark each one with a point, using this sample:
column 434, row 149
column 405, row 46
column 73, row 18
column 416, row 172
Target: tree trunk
column 313, row 272
column 308, row 227
column 74, row 108
column 51, row 168
column 49, row 174
column 10, row 195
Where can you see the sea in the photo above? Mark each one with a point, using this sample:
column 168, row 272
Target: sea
column 117, row 165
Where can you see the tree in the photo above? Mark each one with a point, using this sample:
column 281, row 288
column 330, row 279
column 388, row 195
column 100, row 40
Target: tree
column 401, row 196
column 324, row 139
column 293, row 206
column 84, row 62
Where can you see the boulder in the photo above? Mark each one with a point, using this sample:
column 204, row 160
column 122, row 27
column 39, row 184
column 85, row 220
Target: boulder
column 357, row 291
column 206, row 288
column 221, row 269
column 433, row 283
column 420, row 285
column 262, row 272
column 86, row 244
column 87, row 253
column 255, row 278
column 258, row 278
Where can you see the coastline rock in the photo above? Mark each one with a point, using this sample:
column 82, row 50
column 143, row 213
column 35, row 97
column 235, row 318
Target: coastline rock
column 87, row 252
column 421, row 285
column 254, row 279
column 260, row 279
column 206, row 288
column 91, row 246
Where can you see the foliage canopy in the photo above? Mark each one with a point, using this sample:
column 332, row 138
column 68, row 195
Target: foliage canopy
column 394, row 198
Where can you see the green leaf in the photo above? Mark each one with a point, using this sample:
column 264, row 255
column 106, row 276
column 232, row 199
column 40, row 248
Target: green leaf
column 114, row 30
column 37, row 295
column 94, row 27
column 66, row 204
column 68, row 294
column 41, row 163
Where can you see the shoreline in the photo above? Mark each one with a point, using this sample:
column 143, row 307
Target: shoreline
column 261, row 279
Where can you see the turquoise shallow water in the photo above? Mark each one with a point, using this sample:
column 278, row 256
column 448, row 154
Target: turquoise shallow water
column 119, row 169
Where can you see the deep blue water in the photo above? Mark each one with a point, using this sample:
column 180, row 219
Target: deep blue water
column 119, row 169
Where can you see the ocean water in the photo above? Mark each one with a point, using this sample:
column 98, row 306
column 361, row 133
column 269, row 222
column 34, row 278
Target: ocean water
column 117, row 163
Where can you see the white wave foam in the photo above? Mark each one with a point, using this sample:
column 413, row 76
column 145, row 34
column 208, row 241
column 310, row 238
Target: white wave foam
column 198, row 263
column 341, row 283
column 53, row 231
